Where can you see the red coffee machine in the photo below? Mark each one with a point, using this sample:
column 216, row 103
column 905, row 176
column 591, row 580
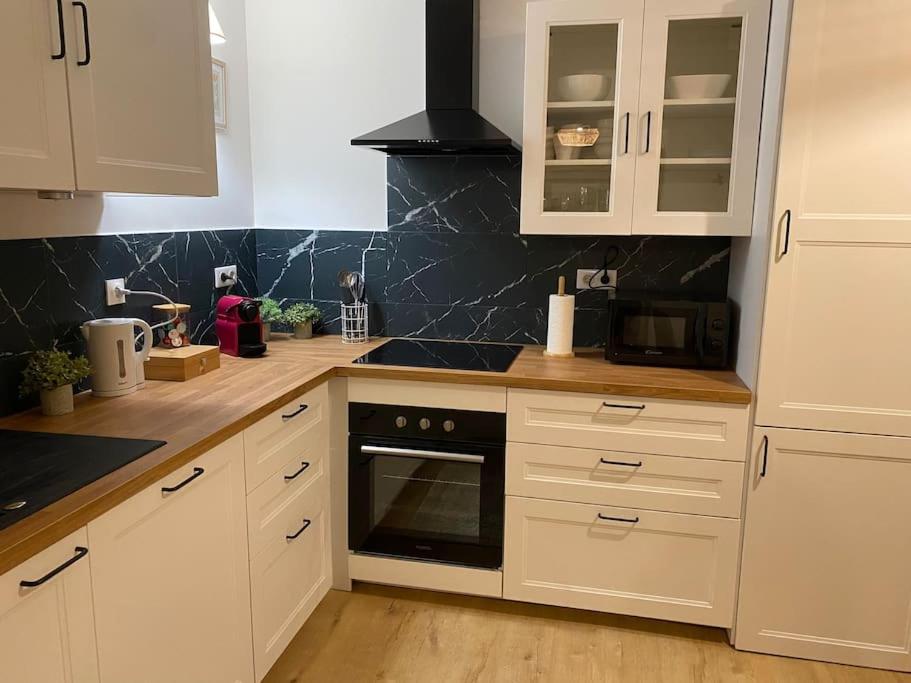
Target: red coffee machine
column 239, row 327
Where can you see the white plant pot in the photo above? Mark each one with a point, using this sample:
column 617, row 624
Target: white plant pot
column 303, row 330
column 57, row 401
column 267, row 331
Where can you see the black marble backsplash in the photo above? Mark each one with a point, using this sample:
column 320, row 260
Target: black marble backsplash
column 452, row 265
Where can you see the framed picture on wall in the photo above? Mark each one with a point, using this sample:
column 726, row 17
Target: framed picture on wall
column 220, row 93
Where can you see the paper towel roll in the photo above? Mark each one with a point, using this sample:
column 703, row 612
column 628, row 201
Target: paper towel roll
column 560, row 313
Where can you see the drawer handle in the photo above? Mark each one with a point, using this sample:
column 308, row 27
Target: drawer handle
column 80, row 553
column 624, row 464
column 197, row 472
column 618, row 519
column 765, row 455
column 299, row 531
column 639, row 406
column 292, row 477
column 85, row 34
column 297, row 412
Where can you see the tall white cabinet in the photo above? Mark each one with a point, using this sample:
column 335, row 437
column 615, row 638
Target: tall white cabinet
column 107, row 95
column 826, row 569
column 663, row 154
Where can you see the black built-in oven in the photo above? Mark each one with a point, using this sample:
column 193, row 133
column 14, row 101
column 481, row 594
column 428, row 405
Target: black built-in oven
column 655, row 330
column 426, row 483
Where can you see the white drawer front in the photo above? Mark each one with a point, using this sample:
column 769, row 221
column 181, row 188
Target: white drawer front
column 274, row 507
column 663, row 566
column 290, row 432
column 287, row 581
column 652, row 482
column 685, row 428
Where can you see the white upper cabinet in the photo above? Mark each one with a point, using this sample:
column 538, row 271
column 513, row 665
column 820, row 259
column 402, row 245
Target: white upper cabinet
column 107, row 96
column 35, row 147
column 642, row 117
column 840, row 254
column 141, row 97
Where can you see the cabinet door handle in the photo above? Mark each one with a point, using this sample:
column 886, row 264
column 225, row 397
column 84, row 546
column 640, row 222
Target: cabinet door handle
column 634, row 520
column 292, row 477
column 638, row 406
column 765, row 456
column 60, row 32
column 299, row 531
column 302, row 408
column 197, row 472
column 624, row 464
column 648, row 132
column 85, row 34
column 80, row 553
column 787, row 231
column 626, row 135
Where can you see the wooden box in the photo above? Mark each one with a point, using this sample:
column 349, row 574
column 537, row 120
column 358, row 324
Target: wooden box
column 183, row 363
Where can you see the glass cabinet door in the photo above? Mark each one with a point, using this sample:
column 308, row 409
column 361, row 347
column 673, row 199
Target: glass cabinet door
column 699, row 112
column 581, row 83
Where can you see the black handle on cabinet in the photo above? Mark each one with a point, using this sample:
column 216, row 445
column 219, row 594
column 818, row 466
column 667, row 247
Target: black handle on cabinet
column 80, row 553
column 624, row 464
column 60, row 32
column 299, row 531
column 648, row 132
column 787, row 231
column 303, row 407
column 292, row 477
column 85, row 34
column 765, row 456
column 626, row 135
column 638, row 406
column 635, row 520
column 197, row 472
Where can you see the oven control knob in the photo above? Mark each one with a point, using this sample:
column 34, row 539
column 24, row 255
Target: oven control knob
column 716, row 344
column 424, row 423
column 718, row 324
column 401, row 422
column 448, row 426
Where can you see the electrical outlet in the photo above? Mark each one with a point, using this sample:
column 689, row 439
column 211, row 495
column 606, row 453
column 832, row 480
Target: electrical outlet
column 595, row 278
column 111, row 296
column 226, row 276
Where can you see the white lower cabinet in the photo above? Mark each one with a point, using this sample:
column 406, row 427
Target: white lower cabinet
column 170, row 577
column 47, row 631
column 827, row 560
column 638, row 562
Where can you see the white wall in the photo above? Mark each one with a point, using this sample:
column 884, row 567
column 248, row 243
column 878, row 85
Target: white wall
column 23, row 215
column 323, row 73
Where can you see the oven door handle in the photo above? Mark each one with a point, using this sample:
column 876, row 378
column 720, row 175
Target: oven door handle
column 423, row 455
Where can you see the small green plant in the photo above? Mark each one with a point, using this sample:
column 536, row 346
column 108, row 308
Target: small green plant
column 270, row 311
column 48, row 370
column 301, row 314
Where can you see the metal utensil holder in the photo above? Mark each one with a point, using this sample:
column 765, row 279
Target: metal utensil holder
column 354, row 323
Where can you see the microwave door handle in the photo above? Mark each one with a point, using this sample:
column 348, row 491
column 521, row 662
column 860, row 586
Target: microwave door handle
column 422, row 454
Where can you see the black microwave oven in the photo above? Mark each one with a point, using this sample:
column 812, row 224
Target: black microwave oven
column 659, row 330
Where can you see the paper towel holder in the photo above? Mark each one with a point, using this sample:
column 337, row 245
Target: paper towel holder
column 561, row 293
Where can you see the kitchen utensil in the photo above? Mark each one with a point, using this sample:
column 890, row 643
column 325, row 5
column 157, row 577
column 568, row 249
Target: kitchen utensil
column 116, row 365
column 697, row 86
column 583, row 87
column 357, row 286
column 560, row 313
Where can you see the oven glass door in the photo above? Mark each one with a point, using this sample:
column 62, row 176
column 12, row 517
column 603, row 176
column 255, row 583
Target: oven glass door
column 426, row 500
column 665, row 332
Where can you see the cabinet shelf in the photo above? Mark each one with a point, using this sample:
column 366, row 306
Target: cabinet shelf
column 578, row 162
column 582, row 105
column 697, row 161
column 709, row 107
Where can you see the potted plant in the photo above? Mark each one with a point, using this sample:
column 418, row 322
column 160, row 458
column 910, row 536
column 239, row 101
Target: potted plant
column 52, row 374
column 270, row 312
column 301, row 317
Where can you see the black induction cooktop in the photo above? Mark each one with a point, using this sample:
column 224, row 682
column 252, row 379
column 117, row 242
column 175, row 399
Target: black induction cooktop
column 37, row 469
column 450, row 355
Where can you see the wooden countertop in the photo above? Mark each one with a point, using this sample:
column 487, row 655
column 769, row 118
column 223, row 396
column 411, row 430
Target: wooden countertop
column 197, row 415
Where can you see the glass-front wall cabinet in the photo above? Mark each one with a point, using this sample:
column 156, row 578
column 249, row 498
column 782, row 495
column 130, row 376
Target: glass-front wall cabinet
column 642, row 117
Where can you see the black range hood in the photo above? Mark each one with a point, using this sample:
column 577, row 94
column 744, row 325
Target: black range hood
column 450, row 124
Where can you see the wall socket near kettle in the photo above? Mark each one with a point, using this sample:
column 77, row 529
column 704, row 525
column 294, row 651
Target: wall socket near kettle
column 111, row 296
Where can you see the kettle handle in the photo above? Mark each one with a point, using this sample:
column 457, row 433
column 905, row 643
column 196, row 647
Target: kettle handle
column 146, row 349
column 85, row 331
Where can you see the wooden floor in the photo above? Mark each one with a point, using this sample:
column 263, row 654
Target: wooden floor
column 391, row 634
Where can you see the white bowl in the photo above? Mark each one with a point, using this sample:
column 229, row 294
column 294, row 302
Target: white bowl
column 583, row 87
column 697, row 86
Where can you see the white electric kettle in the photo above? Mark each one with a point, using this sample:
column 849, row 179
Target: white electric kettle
column 116, row 365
